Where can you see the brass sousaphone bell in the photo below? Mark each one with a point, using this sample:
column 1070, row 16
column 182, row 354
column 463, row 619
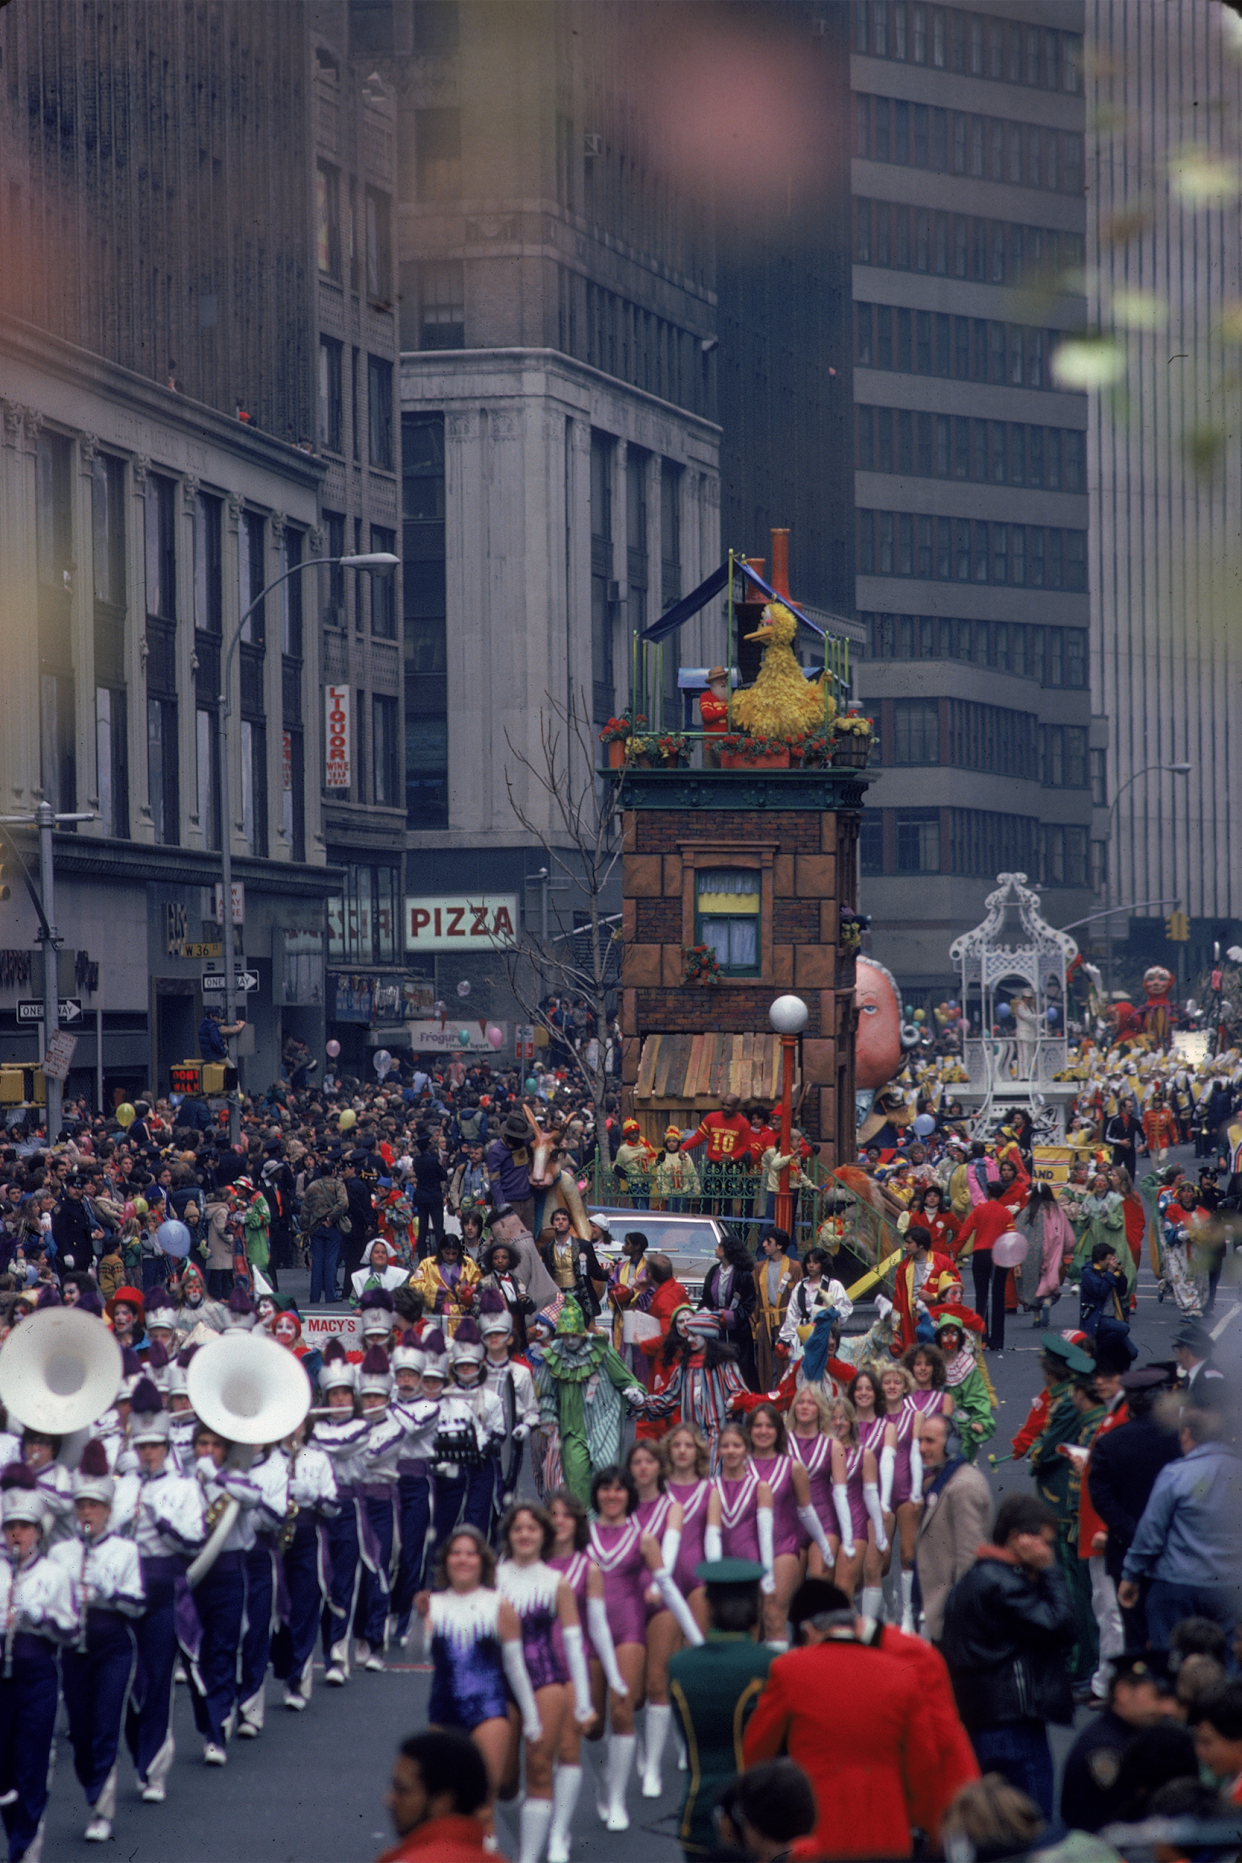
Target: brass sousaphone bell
column 60, row 1370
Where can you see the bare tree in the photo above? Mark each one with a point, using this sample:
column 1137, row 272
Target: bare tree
column 576, row 961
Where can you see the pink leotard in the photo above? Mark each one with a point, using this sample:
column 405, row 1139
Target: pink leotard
column 903, row 1474
column 618, row 1553
column 652, row 1516
column 854, row 1491
column 739, row 1525
column 777, row 1471
column 871, row 1435
column 927, row 1403
column 573, row 1568
column 815, row 1455
column 692, row 1498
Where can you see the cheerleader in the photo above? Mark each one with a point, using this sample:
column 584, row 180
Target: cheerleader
column 877, row 1432
column 855, row 1495
column 810, row 1442
column 96, row 1672
column 739, row 1508
column 168, row 1529
column 928, row 1395
column 303, row 1552
column 342, row 1435
column 475, row 1639
column 569, row 1556
column 657, row 1514
column 220, row 1596
column 40, row 1615
column 270, row 1474
column 789, row 1485
column 686, row 1459
column 377, row 1497
column 625, row 1555
column 545, row 1604
column 896, row 1385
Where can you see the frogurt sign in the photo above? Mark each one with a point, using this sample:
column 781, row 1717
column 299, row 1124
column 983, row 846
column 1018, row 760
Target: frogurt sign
column 461, row 923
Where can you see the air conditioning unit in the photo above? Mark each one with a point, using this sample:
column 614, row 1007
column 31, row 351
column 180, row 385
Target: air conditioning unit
column 592, row 145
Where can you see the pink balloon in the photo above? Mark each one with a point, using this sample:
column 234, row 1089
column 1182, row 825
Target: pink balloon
column 334, row 1048
column 495, row 1037
column 1009, row 1250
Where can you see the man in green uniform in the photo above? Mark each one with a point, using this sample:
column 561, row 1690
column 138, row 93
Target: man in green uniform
column 1058, row 1455
column 714, row 1689
column 580, row 1385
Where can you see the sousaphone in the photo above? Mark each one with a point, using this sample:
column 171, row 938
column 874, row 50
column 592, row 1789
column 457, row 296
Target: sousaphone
column 60, row 1370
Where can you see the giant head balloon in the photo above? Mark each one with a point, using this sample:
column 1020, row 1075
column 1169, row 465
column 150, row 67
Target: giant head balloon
column 877, row 1045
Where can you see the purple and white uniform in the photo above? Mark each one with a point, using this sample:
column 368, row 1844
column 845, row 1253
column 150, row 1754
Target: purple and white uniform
column 815, row 1455
column 871, row 1435
column 652, row 1516
column 903, row 1473
column 854, row 1492
column 573, row 1568
column 739, row 1525
column 691, row 1497
column 532, row 1590
column 777, row 1471
column 926, row 1403
column 618, row 1552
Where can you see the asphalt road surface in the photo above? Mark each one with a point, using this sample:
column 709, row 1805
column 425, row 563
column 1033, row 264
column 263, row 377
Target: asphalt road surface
column 311, row 1789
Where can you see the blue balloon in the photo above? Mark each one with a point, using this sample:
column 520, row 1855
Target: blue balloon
column 1052, row 1015
column 174, row 1238
column 1002, row 1010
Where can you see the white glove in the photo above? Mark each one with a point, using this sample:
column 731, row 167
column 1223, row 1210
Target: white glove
column 670, row 1546
column 916, row 1470
column 575, row 1656
column 635, row 1396
column 888, row 1468
column 713, row 1543
column 883, row 1306
column 811, row 1524
column 519, row 1433
column 845, row 1520
column 605, row 1649
column 875, row 1513
column 763, row 1520
column 519, row 1683
column 675, row 1603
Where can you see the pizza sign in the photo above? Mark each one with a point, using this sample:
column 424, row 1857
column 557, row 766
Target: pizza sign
column 480, row 922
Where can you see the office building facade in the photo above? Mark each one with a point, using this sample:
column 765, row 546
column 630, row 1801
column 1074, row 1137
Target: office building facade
column 970, row 467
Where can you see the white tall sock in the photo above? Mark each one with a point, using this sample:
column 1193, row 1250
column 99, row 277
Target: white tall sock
column 659, row 1714
column 873, row 1602
column 620, row 1765
column 907, row 1601
column 536, row 1815
column 565, row 1789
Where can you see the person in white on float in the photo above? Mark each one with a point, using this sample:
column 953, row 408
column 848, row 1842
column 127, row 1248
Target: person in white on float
column 814, row 1293
column 106, row 1575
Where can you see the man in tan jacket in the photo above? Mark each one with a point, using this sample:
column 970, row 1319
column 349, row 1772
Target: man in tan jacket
column 956, row 1517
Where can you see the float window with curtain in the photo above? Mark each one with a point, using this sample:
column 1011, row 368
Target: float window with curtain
column 727, row 908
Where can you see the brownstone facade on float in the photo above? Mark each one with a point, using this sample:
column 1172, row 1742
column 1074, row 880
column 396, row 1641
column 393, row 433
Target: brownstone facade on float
column 804, row 856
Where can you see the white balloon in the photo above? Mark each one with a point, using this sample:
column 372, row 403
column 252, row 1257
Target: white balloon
column 1010, row 1249
column 463, row 988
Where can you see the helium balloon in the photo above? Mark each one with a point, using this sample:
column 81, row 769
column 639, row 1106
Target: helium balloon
column 920, row 1015
column 463, row 1036
column 381, row 1061
column 348, row 1120
column 925, row 1125
column 909, row 1011
column 1052, row 1013
column 334, row 1048
column 1002, row 1010
column 1010, row 1250
column 463, row 988
column 125, row 1115
column 141, row 1206
column 495, row 1037
column 174, row 1238
column 531, row 1083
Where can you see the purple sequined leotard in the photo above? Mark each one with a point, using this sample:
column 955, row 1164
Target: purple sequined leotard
column 531, row 1590
column 468, row 1677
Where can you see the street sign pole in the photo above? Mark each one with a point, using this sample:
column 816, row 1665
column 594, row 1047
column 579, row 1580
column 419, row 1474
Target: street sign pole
column 45, row 818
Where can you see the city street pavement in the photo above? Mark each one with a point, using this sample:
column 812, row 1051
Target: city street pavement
column 310, row 1790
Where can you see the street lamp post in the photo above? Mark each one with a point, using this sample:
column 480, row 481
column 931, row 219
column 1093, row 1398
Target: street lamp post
column 380, row 559
column 1173, row 769
column 788, row 1016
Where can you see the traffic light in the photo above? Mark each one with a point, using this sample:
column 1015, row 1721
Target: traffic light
column 1177, row 928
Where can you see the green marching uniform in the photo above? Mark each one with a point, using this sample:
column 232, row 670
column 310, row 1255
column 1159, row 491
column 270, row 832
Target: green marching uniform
column 714, row 1689
column 1059, row 1482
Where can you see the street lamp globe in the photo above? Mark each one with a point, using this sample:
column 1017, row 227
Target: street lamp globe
column 788, row 1015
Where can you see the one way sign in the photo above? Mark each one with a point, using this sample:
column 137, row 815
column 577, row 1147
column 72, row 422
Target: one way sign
column 245, row 982
column 68, row 1014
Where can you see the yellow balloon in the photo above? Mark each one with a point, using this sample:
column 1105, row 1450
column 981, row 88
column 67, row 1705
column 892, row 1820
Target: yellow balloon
column 125, row 1115
column 141, row 1206
column 348, row 1120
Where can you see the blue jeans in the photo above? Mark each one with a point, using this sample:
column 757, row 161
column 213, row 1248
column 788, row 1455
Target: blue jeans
column 1021, row 1754
column 325, row 1259
column 1167, row 1604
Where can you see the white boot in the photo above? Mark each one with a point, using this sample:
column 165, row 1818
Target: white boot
column 250, row 1724
column 872, row 1602
column 565, row 1789
column 659, row 1714
column 620, row 1765
column 536, row 1815
column 338, row 1664
column 907, row 1602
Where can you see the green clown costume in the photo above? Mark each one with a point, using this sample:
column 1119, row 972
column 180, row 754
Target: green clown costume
column 581, row 1384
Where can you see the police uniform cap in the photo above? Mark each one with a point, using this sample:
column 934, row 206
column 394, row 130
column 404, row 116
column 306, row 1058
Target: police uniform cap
column 729, row 1572
column 1074, row 1357
column 1142, row 1666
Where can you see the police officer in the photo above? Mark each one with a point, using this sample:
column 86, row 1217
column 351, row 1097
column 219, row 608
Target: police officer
column 1140, row 1694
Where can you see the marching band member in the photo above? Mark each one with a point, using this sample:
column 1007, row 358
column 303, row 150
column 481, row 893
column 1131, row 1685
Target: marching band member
column 385, row 1436
column 470, row 1403
column 39, row 1453
column 96, row 1673
column 304, row 1550
column 342, row 1435
column 220, row 1595
column 270, row 1473
column 168, row 1528
column 419, row 1417
column 40, row 1615
column 513, row 1383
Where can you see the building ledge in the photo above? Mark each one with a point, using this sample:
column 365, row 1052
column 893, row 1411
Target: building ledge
column 735, row 790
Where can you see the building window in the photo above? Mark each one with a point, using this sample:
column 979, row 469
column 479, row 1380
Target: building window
column 162, row 787
column 442, row 305
column 207, row 747
column 379, row 411
column 602, row 454
column 251, row 533
column 161, row 555
column 108, row 529
column 918, row 840
column 328, row 219
column 916, row 731
column 424, row 621
column 208, row 582
column 363, row 922
column 53, row 511
column 871, row 845
column 112, row 761
column 384, row 750
column 436, row 26
column 254, row 785
column 330, row 394
column 727, row 912
column 1099, row 779
column 334, row 532
column 370, row 27
column 379, row 248
column 383, row 587
column 437, row 139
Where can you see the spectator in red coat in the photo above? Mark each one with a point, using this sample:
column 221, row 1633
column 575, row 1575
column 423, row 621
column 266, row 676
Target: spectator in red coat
column 438, row 1800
